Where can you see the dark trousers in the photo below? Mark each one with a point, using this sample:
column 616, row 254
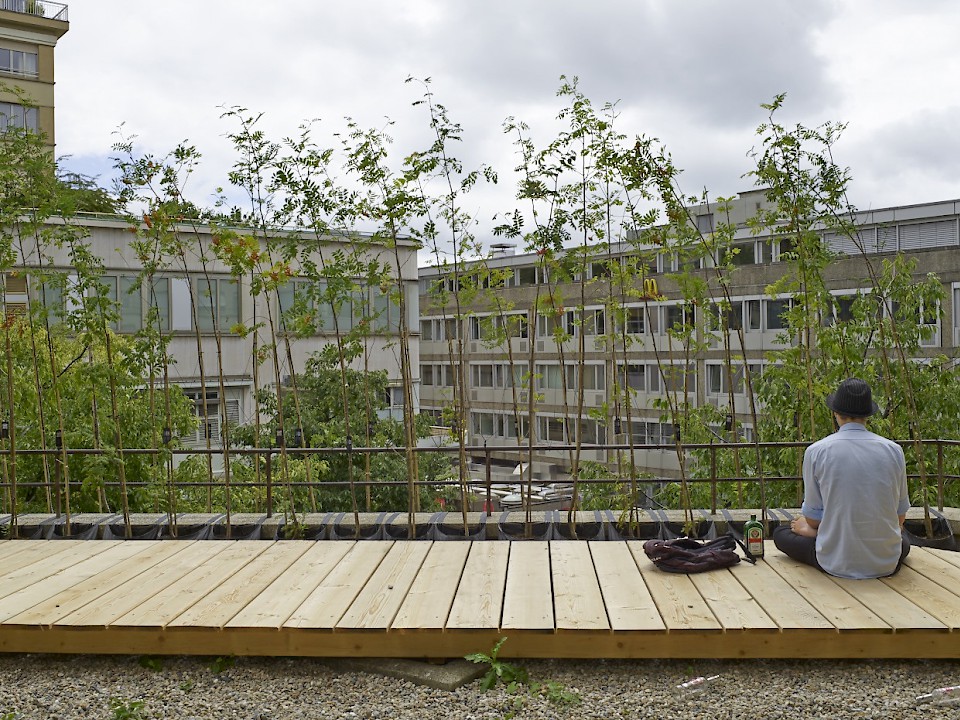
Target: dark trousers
column 804, row 549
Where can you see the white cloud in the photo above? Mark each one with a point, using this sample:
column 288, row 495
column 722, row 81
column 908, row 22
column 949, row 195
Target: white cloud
column 691, row 73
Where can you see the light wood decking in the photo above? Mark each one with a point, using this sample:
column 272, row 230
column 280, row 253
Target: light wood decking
column 445, row 599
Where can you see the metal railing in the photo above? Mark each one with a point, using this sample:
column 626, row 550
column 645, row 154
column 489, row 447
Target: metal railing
column 39, row 8
column 272, row 459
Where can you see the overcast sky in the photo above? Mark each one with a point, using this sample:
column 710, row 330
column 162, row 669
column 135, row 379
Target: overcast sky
column 692, row 73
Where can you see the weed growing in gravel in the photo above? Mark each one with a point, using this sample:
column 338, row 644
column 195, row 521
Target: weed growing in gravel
column 507, row 673
column 221, row 664
column 123, row 709
column 187, row 685
column 555, row 692
column 517, row 679
column 12, row 715
column 151, row 662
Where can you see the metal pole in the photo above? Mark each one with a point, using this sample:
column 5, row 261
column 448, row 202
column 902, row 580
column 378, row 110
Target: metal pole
column 269, row 484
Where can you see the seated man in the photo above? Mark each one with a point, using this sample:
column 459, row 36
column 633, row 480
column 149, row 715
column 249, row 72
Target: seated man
column 855, row 496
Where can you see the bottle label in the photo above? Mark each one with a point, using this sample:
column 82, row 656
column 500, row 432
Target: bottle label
column 755, row 541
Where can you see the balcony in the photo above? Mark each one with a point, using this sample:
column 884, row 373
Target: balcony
column 38, row 8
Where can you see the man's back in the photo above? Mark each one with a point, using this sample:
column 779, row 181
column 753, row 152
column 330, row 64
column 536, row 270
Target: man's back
column 855, row 483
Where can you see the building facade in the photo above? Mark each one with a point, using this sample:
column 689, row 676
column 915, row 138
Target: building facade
column 29, row 31
column 205, row 311
column 509, row 350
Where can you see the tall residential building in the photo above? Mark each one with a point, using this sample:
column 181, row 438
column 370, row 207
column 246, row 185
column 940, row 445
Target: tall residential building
column 29, row 30
column 505, row 341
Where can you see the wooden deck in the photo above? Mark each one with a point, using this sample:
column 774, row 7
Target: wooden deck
column 444, row 599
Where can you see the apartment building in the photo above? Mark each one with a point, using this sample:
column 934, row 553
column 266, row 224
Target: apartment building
column 196, row 296
column 29, row 31
column 496, row 402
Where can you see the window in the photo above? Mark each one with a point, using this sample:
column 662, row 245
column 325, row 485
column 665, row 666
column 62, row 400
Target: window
column 527, row 275
column 18, row 62
column 641, row 378
column 426, row 374
column 785, row 245
column 426, row 330
column 482, row 328
column 594, row 322
column 775, row 314
column 752, row 308
column 552, row 429
column 741, row 254
column 482, row 376
column 207, row 409
column 218, row 303
column 676, row 317
column 17, row 116
column 394, row 398
column 594, row 377
column 450, row 329
column 550, row 377
column 719, row 378
column 705, row 223
column 515, row 326
column 385, row 310
column 14, row 294
column 636, row 320
column 680, row 378
column 125, row 291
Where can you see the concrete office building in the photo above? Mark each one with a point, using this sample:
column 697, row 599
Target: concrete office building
column 189, row 292
column 927, row 232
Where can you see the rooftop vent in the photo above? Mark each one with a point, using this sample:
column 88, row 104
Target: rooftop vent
column 503, row 249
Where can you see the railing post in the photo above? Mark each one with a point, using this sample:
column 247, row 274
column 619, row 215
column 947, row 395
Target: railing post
column 269, row 483
column 940, row 474
column 713, row 479
column 486, row 459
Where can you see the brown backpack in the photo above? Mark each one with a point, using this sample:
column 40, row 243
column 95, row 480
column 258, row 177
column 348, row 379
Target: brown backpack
column 686, row 555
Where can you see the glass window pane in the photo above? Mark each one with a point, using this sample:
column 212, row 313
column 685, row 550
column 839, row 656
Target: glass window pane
column 130, row 307
column 205, row 299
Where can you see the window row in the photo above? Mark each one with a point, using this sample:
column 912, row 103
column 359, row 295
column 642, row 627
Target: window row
column 18, row 62
column 327, row 312
column 13, row 115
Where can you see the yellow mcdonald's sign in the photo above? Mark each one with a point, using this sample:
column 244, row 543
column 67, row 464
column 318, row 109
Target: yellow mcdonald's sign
column 650, row 289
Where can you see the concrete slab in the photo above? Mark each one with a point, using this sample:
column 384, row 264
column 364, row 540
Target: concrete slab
column 446, row 676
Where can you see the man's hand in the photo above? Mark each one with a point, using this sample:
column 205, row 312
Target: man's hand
column 801, row 527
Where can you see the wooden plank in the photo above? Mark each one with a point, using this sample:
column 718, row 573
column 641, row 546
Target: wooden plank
column 27, row 552
column 950, row 556
column 628, row 601
column 162, row 608
column 785, row 606
column 830, row 600
column 324, row 607
column 479, row 599
column 430, row 598
column 41, row 568
column 279, row 601
column 129, row 595
column 935, row 568
column 935, row 599
column 680, row 604
column 77, row 595
column 731, row 604
column 87, row 566
column 898, row 612
column 377, row 604
column 219, row 606
column 577, row 599
column 290, row 642
column 528, row 597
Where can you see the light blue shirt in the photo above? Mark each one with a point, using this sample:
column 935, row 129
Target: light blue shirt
column 855, row 484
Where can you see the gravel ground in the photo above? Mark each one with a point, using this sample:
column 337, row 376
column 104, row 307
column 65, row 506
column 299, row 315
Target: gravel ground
column 56, row 687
